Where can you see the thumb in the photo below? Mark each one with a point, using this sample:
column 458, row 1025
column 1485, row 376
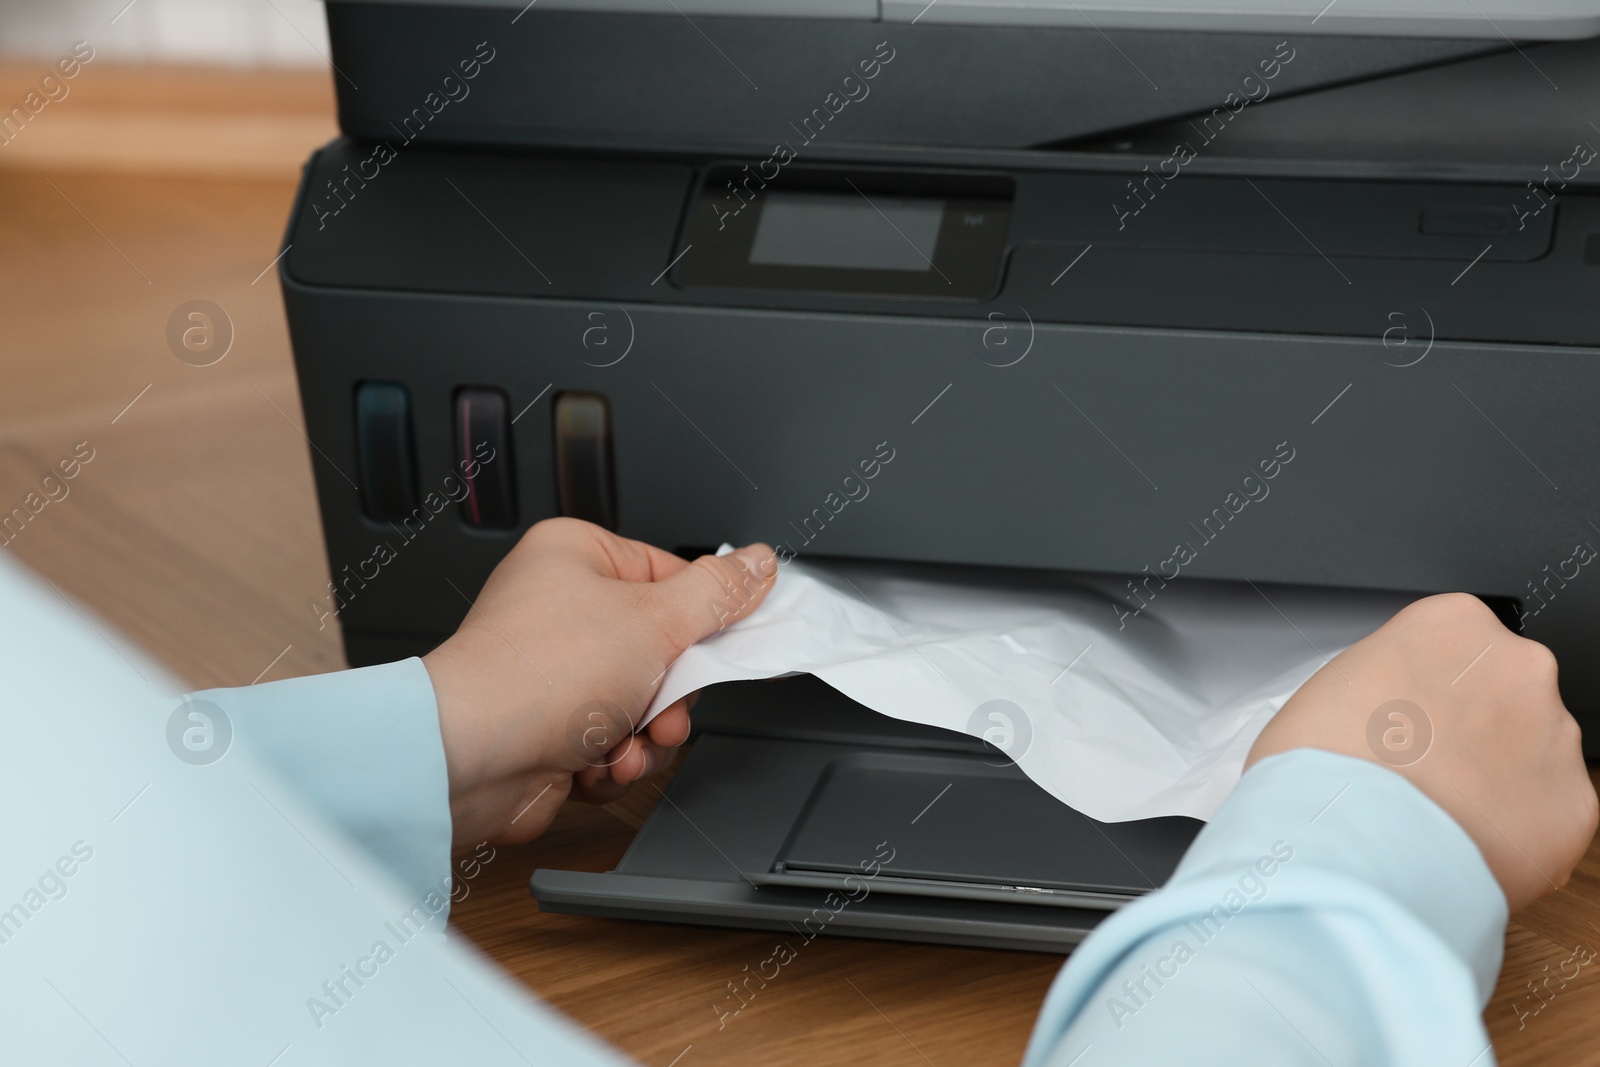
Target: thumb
column 713, row 592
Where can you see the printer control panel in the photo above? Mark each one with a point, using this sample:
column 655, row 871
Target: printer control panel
column 848, row 231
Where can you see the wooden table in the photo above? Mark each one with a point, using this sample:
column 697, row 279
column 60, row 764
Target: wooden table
column 194, row 531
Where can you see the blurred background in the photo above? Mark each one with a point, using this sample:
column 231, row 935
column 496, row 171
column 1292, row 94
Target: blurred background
column 226, row 86
column 284, row 33
column 161, row 173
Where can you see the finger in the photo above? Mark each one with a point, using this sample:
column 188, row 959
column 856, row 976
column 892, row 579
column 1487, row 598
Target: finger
column 670, row 728
column 601, row 783
column 713, row 592
column 649, row 760
column 634, row 759
column 594, row 785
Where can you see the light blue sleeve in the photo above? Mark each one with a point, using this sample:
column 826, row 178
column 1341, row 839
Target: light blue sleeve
column 1329, row 914
column 166, row 897
column 362, row 748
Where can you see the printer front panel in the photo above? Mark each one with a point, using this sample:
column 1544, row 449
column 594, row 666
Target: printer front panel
column 1044, row 426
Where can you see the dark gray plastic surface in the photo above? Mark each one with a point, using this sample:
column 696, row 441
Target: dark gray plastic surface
column 643, row 82
column 1515, row 112
column 1466, row 464
column 1522, row 19
column 891, row 917
column 1209, row 252
column 735, row 803
column 949, row 804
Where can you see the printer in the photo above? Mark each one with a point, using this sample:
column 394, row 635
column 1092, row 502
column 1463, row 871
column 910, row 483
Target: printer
column 687, row 268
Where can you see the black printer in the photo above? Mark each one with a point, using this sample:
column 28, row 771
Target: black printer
column 680, row 267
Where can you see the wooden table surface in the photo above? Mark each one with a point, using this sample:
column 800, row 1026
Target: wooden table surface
column 194, row 531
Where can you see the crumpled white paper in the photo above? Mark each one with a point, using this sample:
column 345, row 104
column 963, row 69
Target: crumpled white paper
column 1153, row 718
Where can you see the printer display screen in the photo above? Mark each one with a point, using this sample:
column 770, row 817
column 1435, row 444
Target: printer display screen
column 857, row 232
column 847, row 231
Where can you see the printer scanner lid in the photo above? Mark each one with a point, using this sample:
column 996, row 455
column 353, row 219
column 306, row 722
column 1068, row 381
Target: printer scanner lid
column 736, row 77
column 1500, row 20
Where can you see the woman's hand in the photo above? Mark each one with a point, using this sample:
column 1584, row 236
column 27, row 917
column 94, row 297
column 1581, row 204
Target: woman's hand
column 1470, row 713
column 541, row 687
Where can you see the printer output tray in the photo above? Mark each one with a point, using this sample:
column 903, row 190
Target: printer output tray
column 799, row 810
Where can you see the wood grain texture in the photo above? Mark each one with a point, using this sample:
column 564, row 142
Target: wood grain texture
column 194, row 532
column 657, row 989
column 182, row 121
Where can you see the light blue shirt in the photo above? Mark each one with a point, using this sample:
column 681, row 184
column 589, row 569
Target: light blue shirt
column 285, row 903
column 1330, row 913
column 362, row 748
column 161, row 909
